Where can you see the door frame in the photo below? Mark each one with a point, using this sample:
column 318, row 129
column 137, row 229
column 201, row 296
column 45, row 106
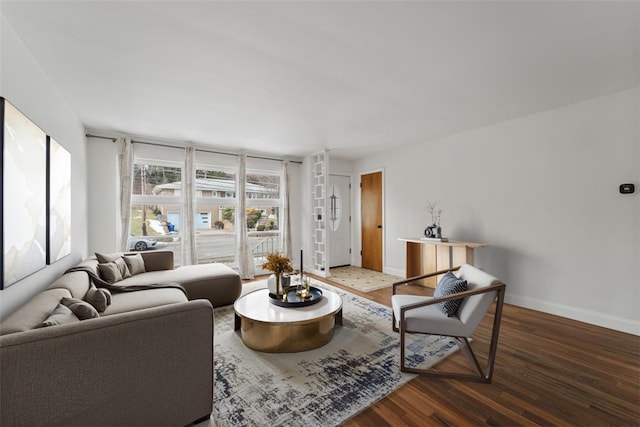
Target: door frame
column 358, row 230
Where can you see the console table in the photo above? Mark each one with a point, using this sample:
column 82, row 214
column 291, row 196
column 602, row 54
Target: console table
column 428, row 255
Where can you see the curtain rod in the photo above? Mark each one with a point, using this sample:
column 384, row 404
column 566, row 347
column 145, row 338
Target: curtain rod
column 88, row 135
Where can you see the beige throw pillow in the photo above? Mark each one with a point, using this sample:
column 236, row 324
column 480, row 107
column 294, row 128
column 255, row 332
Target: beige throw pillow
column 122, row 266
column 110, row 272
column 102, row 258
column 82, row 309
column 60, row 316
column 118, row 261
column 98, row 298
column 135, row 263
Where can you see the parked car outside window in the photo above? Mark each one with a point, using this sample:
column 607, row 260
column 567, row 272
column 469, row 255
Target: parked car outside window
column 141, row 243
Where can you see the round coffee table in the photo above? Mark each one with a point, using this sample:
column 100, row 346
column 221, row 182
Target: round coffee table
column 267, row 327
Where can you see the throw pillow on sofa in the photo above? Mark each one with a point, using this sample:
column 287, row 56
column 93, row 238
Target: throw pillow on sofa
column 122, row 266
column 119, row 263
column 82, row 309
column 135, row 263
column 98, row 298
column 60, row 316
column 103, row 258
column 110, row 272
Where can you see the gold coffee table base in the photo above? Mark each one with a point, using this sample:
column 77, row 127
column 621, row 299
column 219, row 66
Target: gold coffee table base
column 274, row 329
column 287, row 337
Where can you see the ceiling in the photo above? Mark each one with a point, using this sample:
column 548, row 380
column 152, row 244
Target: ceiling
column 353, row 77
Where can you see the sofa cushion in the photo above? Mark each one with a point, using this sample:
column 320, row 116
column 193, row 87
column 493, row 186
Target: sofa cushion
column 60, row 316
column 135, row 263
column 218, row 283
column 82, row 309
column 449, row 284
column 123, row 302
column 98, row 298
column 34, row 312
column 76, row 282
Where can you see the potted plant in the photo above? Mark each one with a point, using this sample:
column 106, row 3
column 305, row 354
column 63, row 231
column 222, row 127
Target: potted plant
column 277, row 264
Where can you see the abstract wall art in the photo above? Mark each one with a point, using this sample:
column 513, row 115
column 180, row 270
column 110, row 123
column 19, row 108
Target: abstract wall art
column 59, row 201
column 24, row 210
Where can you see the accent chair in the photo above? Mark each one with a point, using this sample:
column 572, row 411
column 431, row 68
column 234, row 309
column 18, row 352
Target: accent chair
column 414, row 314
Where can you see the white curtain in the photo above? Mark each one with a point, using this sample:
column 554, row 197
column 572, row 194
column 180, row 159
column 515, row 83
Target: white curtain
column 246, row 266
column 286, row 219
column 189, row 252
column 125, row 172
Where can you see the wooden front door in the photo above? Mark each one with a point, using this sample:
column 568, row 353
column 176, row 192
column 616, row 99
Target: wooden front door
column 371, row 220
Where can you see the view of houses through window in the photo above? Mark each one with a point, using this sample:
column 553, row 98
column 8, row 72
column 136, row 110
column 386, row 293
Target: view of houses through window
column 156, row 211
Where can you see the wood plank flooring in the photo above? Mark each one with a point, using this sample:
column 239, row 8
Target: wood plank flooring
column 549, row 371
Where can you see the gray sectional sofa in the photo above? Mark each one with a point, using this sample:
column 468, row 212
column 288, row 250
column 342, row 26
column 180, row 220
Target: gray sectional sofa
column 145, row 359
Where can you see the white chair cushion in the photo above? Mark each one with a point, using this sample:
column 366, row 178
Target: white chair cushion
column 428, row 319
column 473, row 309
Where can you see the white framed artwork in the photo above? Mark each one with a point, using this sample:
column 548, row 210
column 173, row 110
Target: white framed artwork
column 59, row 201
column 24, row 186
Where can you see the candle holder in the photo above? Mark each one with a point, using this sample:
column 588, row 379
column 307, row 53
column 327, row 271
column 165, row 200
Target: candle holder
column 302, row 288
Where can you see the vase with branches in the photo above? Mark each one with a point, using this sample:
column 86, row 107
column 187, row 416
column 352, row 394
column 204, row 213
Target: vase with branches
column 277, row 264
column 436, row 214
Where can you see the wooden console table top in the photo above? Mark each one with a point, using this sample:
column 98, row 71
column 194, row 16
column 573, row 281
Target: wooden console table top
column 436, row 242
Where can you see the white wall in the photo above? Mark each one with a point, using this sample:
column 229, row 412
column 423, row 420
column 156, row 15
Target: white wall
column 340, row 166
column 24, row 84
column 102, row 182
column 542, row 192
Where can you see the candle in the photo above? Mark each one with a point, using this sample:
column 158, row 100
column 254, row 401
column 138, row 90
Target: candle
column 301, row 265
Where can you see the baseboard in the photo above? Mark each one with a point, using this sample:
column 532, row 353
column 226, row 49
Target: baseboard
column 588, row 316
column 393, row 271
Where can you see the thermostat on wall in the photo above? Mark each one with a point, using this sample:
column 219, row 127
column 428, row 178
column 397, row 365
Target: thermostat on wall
column 627, row 188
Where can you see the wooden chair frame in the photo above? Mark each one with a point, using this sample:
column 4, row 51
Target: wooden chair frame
column 463, row 342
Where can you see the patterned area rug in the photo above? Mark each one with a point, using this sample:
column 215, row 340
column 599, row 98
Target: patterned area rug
column 321, row 387
column 362, row 279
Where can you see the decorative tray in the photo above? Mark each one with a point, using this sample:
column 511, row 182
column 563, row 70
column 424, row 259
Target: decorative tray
column 294, row 300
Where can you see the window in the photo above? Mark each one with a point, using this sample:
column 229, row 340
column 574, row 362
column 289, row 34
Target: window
column 155, row 207
column 262, row 186
column 157, row 199
column 264, row 203
column 215, row 214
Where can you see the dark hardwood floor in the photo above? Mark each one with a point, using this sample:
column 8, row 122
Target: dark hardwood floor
column 549, row 371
